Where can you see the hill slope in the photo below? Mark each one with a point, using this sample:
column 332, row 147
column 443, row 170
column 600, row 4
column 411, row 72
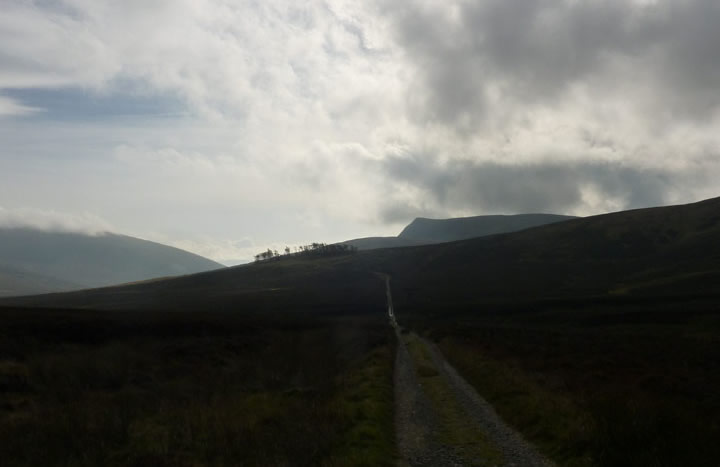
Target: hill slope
column 647, row 252
column 422, row 231
column 462, row 228
column 18, row 282
column 655, row 251
column 33, row 261
column 333, row 284
column 373, row 243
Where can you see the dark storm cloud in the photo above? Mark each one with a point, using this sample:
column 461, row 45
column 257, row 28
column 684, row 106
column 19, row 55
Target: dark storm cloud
column 531, row 51
column 537, row 68
column 491, row 187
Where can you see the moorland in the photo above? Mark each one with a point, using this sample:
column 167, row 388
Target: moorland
column 597, row 338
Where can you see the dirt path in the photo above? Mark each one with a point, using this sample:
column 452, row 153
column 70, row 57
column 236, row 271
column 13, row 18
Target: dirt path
column 417, row 424
column 440, row 420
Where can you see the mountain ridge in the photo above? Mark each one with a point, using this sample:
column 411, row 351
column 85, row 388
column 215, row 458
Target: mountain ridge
column 462, row 228
column 425, row 231
column 37, row 261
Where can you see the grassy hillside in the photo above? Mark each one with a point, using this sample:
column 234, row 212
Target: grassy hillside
column 461, row 228
column 372, row 243
column 596, row 337
column 424, row 231
column 335, row 283
column 71, row 260
column 593, row 384
column 659, row 251
column 18, row 282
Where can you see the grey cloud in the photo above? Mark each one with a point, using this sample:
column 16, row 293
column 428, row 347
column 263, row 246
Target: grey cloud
column 53, row 221
column 552, row 187
column 401, row 212
column 498, row 61
column 531, row 51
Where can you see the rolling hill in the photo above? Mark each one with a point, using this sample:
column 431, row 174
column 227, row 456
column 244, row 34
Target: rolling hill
column 462, row 228
column 662, row 251
column 645, row 252
column 34, row 261
column 373, row 243
column 423, row 231
column 16, row 282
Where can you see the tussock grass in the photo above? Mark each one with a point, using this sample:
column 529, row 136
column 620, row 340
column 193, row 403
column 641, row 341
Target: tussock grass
column 548, row 418
column 596, row 385
column 365, row 403
column 194, row 389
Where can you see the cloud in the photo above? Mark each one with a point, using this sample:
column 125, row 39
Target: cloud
column 11, row 107
column 213, row 120
column 466, row 188
column 53, row 221
column 561, row 106
column 485, row 59
column 229, row 252
column 226, row 59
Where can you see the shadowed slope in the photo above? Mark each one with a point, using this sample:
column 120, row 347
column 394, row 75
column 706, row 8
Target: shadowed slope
column 653, row 252
column 336, row 283
column 18, row 282
column 666, row 250
column 424, row 231
column 462, row 228
column 35, row 261
column 373, row 243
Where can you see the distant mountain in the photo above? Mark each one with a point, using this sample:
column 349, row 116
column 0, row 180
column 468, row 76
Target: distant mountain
column 640, row 254
column 424, row 231
column 34, row 261
column 461, row 228
column 18, row 282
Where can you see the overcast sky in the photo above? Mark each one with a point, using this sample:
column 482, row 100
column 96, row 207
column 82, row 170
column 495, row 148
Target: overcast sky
column 227, row 126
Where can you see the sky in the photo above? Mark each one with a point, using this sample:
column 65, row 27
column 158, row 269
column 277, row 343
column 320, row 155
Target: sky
column 228, row 126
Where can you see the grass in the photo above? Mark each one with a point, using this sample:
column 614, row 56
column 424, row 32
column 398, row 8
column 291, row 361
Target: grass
column 547, row 417
column 604, row 384
column 457, row 429
column 366, row 405
column 194, row 389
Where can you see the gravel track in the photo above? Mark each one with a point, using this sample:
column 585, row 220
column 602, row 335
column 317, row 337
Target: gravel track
column 417, row 424
column 516, row 451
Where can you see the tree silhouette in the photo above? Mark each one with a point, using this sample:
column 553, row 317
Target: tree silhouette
column 313, row 249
